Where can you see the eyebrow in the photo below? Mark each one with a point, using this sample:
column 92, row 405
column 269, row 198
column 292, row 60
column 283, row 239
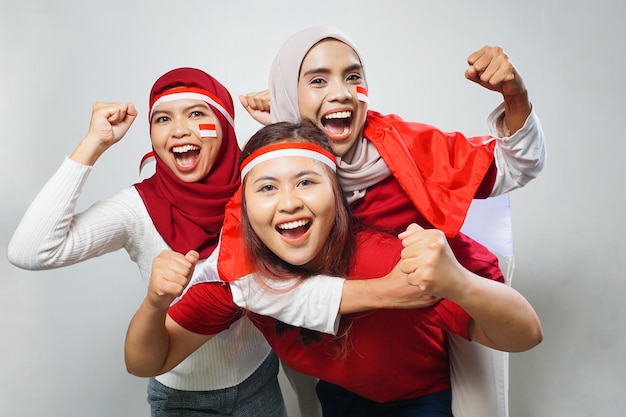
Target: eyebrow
column 322, row 70
column 202, row 105
column 296, row 176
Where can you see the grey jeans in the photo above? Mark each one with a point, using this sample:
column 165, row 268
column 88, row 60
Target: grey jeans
column 258, row 396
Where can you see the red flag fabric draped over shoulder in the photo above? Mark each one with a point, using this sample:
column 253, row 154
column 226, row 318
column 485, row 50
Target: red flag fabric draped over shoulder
column 190, row 215
column 439, row 171
column 233, row 261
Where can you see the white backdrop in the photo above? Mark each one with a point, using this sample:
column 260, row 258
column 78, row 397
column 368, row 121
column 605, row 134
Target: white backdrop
column 62, row 331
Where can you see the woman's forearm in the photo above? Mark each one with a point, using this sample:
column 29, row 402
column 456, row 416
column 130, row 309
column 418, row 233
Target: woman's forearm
column 502, row 318
column 391, row 291
column 147, row 342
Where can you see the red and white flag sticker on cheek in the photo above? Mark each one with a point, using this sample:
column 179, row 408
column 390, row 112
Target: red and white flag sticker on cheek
column 208, row 131
column 361, row 94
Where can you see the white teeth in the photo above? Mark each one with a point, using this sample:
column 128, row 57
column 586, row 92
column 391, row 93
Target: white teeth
column 293, row 225
column 184, row 148
column 339, row 115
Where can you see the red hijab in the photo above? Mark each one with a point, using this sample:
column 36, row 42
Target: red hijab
column 190, row 215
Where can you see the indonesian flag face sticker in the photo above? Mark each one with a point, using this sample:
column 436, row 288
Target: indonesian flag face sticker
column 361, row 94
column 208, row 131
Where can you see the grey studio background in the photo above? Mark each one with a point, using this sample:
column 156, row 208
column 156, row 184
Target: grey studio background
column 62, row 331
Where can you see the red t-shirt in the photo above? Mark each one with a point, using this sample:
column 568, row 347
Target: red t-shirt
column 391, row 354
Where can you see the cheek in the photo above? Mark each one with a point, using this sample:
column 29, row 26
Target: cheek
column 211, row 148
column 213, row 144
column 260, row 220
column 260, row 213
column 363, row 112
column 158, row 137
column 308, row 103
column 326, row 207
column 159, row 144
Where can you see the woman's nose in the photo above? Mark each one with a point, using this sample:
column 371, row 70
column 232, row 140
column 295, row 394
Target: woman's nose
column 289, row 201
column 339, row 92
column 180, row 128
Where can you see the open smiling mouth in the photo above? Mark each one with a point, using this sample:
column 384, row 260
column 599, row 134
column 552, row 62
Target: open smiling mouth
column 186, row 155
column 295, row 229
column 337, row 124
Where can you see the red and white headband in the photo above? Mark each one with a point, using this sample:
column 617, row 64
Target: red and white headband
column 192, row 93
column 278, row 150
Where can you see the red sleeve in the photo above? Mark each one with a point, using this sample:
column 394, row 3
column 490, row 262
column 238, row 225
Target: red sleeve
column 206, row 308
column 375, row 254
column 451, row 318
column 475, row 257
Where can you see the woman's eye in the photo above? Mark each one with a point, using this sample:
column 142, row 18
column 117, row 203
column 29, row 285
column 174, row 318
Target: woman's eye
column 197, row 113
column 161, row 119
column 317, row 81
column 354, row 77
column 306, row 182
column 267, row 188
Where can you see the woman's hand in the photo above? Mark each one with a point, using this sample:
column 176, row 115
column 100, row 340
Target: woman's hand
column 491, row 68
column 109, row 123
column 258, row 105
column 429, row 262
column 171, row 272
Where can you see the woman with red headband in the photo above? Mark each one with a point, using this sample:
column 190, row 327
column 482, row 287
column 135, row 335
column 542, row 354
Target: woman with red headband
column 180, row 207
column 296, row 223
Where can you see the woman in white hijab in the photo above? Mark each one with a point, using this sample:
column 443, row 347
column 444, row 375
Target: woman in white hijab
column 395, row 172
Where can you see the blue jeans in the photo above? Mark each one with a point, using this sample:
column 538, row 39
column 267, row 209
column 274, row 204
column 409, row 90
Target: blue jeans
column 339, row 402
column 258, row 396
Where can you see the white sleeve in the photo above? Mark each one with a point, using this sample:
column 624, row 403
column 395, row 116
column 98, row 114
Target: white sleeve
column 313, row 303
column 50, row 235
column 520, row 157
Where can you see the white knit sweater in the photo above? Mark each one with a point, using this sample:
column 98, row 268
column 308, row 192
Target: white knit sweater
column 51, row 235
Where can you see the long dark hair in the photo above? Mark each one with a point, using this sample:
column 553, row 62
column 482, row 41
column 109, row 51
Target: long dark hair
column 337, row 250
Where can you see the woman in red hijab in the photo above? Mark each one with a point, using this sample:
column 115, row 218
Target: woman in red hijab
column 180, row 207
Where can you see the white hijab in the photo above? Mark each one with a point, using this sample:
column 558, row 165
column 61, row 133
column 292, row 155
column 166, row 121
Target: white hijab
column 362, row 166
